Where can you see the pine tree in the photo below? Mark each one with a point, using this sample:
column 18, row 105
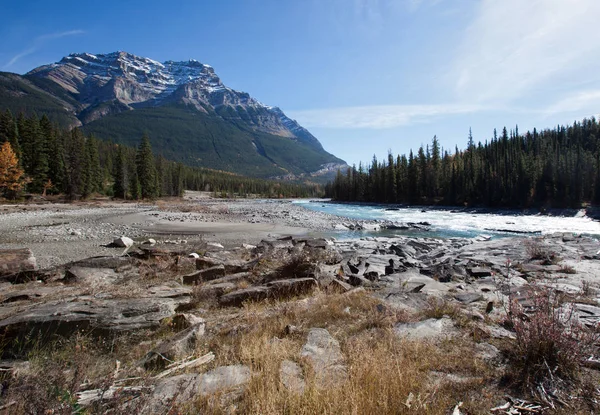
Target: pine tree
column 120, row 184
column 146, row 169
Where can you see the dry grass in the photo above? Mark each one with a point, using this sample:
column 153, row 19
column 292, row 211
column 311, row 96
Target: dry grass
column 537, row 249
column 383, row 370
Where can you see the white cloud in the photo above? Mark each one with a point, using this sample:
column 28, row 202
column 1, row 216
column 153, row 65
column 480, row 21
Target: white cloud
column 378, row 116
column 513, row 46
column 585, row 102
column 39, row 42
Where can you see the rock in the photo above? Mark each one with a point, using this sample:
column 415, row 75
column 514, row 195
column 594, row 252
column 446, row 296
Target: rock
column 91, row 277
column 14, row 261
column 214, row 245
column 479, row 272
column 181, row 345
column 193, row 255
column 291, row 377
column 171, row 393
column 337, row 286
column 468, row 298
column 204, row 275
column 205, row 262
column 217, row 289
column 487, row 352
column 150, row 242
column 427, row 329
column 238, row 297
column 359, row 281
column 292, row 286
column 182, row 321
column 324, row 354
column 94, row 315
column 76, row 233
column 225, row 378
column 248, row 247
column 122, row 242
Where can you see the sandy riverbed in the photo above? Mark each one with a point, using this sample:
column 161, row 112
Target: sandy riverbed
column 60, row 233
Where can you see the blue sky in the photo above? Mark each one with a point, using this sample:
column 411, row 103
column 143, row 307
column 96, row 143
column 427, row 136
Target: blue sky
column 363, row 76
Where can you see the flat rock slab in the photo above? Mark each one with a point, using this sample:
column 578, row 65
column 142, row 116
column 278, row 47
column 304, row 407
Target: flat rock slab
column 97, row 315
column 291, row 376
column 207, row 274
column 238, row 297
column 427, row 329
column 91, row 277
column 325, row 356
column 480, row 272
column 468, row 298
column 292, row 286
column 13, row 261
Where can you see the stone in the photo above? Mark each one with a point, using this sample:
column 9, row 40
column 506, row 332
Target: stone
column 217, row 290
column 182, row 321
column 171, row 393
column 231, row 378
column 324, row 354
column 214, row 245
column 292, row 286
column 238, row 297
column 14, row 261
column 337, row 286
column 205, row 262
column 122, row 242
column 479, row 272
column 181, row 345
column 95, row 315
column 468, row 298
column 248, row 247
column 291, row 377
column 207, row 274
column 193, row 255
column 427, row 329
column 150, row 242
column 91, row 277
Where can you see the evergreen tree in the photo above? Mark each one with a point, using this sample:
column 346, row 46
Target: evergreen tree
column 146, row 169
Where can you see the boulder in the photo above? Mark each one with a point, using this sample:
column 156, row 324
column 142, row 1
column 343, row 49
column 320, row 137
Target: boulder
column 91, row 277
column 292, row 286
column 479, row 272
column 14, row 261
column 217, row 289
column 427, row 329
column 291, row 377
column 122, row 242
column 182, row 321
column 181, row 345
column 96, row 315
column 324, row 354
column 468, row 298
column 238, row 297
column 337, row 286
column 204, row 275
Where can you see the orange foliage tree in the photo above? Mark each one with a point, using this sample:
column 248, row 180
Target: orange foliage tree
column 11, row 174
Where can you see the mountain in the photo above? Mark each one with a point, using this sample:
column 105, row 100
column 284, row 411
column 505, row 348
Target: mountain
column 188, row 113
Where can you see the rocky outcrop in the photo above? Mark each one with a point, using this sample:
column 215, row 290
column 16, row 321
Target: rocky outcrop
column 324, row 354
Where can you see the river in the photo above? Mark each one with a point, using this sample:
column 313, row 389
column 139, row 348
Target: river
column 449, row 222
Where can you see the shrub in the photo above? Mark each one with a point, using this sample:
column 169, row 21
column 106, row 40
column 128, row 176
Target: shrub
column 537, row 250
column 550, row 343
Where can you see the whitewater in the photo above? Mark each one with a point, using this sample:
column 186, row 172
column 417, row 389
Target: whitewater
column 448, row 222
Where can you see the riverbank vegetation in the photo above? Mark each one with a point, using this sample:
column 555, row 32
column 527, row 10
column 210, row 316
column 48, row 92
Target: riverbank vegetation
column 57, row 161
column 551, row 168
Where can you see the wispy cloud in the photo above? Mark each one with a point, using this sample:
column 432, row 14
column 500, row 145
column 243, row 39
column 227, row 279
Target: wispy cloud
column 583, row 103
column 378, row 116
column 38, row 42
column 513, row 46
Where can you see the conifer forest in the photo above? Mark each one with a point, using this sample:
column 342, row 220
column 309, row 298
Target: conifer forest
column 556, row 168
column 60, row 161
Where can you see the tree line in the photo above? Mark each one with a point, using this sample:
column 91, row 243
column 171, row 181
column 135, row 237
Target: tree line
column 58, row 161
column 557, row 167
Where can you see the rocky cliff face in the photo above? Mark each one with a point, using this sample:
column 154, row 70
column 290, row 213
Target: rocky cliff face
column 111, row 83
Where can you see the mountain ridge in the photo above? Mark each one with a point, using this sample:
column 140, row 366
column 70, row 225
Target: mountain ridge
column 100, row 92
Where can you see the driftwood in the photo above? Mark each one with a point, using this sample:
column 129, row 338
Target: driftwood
column 15, row 261
column 89, row 397
column 174, row 367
